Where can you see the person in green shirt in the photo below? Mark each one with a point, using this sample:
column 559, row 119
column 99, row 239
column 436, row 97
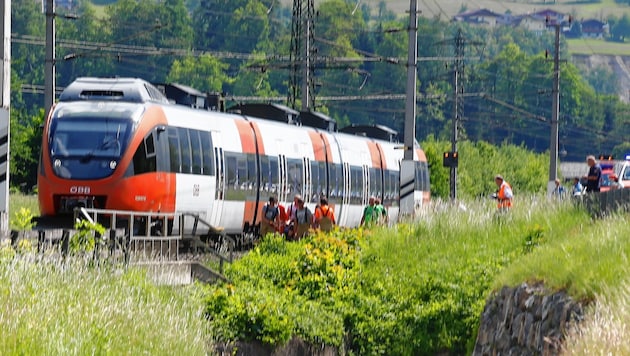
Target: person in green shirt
column 369, row 213
column 381, row 212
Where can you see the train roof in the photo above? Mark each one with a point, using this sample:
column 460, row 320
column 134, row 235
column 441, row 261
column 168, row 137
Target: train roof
column 374, row 131
column 268, row 111
column 318, row 120
column 133, row 90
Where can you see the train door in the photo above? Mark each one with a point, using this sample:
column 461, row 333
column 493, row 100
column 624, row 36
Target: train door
column 219, row 193
column 282, row 179
column 307, row 185
column 345, row 195
column 366, row 185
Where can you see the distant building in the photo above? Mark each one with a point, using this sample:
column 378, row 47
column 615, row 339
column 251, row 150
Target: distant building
column 531, row 23
column 593, row 28
column 480, row 17
column 537, row 22
column 551, row 17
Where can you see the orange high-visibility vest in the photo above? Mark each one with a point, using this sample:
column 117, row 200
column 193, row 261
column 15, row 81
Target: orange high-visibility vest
column 504, row 196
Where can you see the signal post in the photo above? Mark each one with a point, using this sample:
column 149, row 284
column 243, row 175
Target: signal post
column 408, row 167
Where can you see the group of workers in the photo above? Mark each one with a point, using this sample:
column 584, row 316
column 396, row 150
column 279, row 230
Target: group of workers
column 297, row 219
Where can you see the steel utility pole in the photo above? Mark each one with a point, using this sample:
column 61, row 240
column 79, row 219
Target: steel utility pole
column 301, row 55
column 407, row 168
column 5, row 110
column 555, row 113
column 49, row 75
column 458, row 107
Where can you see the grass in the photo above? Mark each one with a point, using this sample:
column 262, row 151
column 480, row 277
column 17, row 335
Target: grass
column 605, row 329
column 589, row 46
column 27, row 201
column 70, row 308
column 584, row 258
column 385, row 291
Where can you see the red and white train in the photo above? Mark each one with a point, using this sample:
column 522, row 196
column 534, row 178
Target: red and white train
column 119, row 144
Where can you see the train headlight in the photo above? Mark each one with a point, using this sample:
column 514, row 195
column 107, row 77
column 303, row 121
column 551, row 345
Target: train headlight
column 57, row 163
column 112, row 164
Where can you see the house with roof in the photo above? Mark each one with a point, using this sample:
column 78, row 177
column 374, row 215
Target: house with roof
column 593, row 28
column 480, row 17
column 551, row 16
column 531, row 23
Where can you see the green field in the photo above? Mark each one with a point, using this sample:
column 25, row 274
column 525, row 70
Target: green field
column 446, row 9
column 595, row 46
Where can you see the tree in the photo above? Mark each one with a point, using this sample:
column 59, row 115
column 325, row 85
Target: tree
column 148, row 23
column 621, row 29
column 26, row 139
column 204, row 73
column 72, row 62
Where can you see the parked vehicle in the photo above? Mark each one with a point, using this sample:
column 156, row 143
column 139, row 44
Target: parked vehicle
column 622, row 169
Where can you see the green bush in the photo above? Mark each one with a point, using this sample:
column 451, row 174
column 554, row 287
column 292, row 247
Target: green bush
column 416, row 289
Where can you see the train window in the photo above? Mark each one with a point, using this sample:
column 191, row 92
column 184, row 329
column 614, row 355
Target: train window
column 422, row 177
column 173, row 148
column 206, row 148
column 144, row 160
column 294, row 174
column 252, row 172
column 269, row 174
column 241, row 172
column 356, row 185
column 318, row 177
column 184, row 145
column 315, row 179
column 149, row 144
column 231, row 174
column 394, row 177
column 265, row 174
column 273, row 174
column 195, row 146
column 376, row 183
column 335, row 184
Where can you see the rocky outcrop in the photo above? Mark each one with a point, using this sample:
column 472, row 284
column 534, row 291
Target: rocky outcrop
column 526, row 320
column 617, row 64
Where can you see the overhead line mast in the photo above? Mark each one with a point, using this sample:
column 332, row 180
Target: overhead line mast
column 301, row 81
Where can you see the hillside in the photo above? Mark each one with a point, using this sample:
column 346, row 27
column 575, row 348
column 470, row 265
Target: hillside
column 586, row 54
column 449, row 8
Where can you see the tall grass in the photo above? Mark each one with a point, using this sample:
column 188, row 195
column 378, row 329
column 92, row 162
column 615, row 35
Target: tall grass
column 606, row 327
column 27, row 201
column 71, row 309
column 583, row 256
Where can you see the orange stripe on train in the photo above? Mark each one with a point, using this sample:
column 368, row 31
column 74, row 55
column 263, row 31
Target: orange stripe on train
column 375, row 154
column 247, row 136
column 382, row 153
column 328, row 149
column 258, row 138
column 318, row 146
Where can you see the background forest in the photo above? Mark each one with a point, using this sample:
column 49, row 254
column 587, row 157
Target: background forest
column 241, row 48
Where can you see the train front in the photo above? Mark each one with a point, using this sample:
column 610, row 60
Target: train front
column 83, row 146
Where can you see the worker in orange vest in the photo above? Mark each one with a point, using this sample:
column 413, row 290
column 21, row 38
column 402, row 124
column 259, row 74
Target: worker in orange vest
column 504, row 194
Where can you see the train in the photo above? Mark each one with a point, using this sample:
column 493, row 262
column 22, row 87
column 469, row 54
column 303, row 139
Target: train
column 121, row 144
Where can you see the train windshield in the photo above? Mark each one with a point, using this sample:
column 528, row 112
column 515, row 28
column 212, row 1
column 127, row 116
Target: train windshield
column 87, row 147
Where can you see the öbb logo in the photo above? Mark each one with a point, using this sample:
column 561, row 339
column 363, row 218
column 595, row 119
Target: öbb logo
column 75, row 189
